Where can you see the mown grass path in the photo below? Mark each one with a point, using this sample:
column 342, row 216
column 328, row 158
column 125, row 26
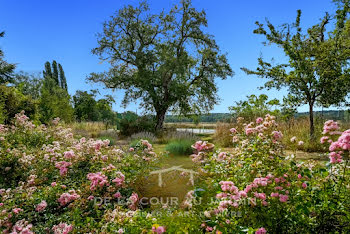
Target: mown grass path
column 174, row 183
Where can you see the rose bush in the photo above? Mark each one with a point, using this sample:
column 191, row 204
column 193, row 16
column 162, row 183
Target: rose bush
column 50, row 180
column 257, row 188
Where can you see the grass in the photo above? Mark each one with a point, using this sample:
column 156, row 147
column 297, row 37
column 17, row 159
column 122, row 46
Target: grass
column 180, row 147
column 174, row 184
column 300, row 129
column 222, row 136
column 87, row 129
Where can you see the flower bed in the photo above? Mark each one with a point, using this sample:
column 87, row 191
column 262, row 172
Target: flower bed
column 259, row 189
column 51, row 182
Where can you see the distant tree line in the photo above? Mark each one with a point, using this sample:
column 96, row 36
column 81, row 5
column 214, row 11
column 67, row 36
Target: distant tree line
column 209, row 118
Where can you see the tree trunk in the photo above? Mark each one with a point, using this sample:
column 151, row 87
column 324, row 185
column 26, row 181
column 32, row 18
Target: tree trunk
column 311, row 117
column 160, row 119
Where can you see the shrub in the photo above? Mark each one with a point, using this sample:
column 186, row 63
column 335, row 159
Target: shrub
column 12, row 101
column 176, row 135
column 180, row 147
column 50, row 183
column 129, row 126
column 112, row 140
column 110, row 134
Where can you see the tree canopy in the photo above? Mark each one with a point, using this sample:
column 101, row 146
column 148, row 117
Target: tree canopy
column 87, row 108
column 167, row 60
column 317, row 71
column 255, row 106
column 6, row 69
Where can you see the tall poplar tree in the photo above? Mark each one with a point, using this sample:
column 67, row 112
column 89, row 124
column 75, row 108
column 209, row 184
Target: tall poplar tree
column 55, row 71
column 55, row 75
column 63, row 81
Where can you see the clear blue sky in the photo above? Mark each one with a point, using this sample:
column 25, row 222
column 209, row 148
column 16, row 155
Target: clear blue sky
column 38, row 31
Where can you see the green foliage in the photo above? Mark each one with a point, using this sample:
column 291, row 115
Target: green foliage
column 255, row 107
column 63, row 80
column 180, row 147
column 86, row 108
column 54, row 102
column 12, row 101
column 166, row 59
column 174, row 135
column 55, row 75
column 104, row 109
column 28, row 84
column 54, row 99
column 6, row 69
column 317, row 71
column 47, row 72
column 289, row 108
column 129, row 123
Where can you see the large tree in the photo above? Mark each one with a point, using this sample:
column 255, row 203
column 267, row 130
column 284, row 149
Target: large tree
column 167, row 60
column 85, row 106
column 6, row 69
column 317, row 71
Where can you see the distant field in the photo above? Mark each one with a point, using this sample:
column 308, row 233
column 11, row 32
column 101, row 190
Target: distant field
column 191, row 125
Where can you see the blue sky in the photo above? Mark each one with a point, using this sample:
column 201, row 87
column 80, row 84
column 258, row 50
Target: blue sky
column 65, row 31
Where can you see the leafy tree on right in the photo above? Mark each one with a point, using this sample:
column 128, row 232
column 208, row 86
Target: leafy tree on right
column 317, row 71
